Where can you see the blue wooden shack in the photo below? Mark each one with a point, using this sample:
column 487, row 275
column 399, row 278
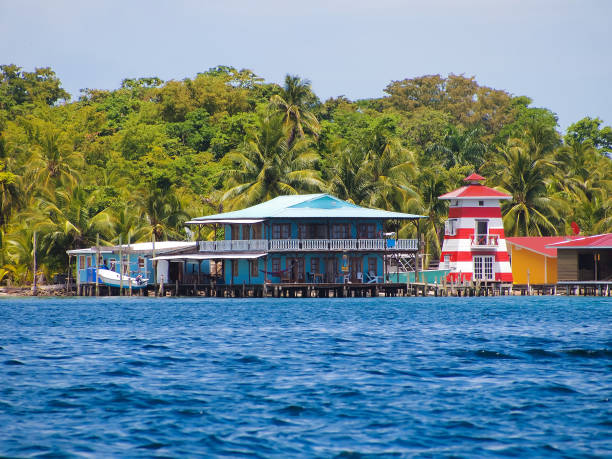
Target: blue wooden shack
column 303, row 239
column 137, row 260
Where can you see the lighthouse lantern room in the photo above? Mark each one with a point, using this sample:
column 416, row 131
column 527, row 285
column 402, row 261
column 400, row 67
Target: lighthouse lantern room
column 474, row 244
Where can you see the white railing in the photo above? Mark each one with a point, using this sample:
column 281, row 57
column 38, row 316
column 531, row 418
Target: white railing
column 342, row 244
column 407, row 244
column 260, row 245
column 208, row 246
column 284, row 244
column 295, row 245
column 485, row 240
column 372, row 244
column 315, row 244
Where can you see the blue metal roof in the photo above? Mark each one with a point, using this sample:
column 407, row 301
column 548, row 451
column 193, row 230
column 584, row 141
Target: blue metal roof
column 305, row 206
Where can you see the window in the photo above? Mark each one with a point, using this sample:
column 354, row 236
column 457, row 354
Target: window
column 254, row 267
column 88, row 262
column 366, row 231
column 281, row 231
column 257, row 231
column 314, row 266
column 234, row 268
column 113, row 264
column 235, row 230
column 372, row 266
column 312, row 231
column 141, row 263
column 276, row 266
column 341, row 231
column 450, row 227
column 481, row 203
column 483, row 268
column 81, row 262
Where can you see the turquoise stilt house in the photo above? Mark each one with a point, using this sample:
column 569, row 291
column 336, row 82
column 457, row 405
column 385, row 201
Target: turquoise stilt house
column 314, row 238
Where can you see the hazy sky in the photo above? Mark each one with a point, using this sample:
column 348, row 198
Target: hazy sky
column 558, row 52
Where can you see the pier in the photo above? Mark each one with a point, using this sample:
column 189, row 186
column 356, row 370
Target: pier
column 305, row 290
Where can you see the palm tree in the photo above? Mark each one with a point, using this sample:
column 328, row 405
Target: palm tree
column 390, row 168
column 54, row 159
column 348, row 175
column 67, row 218
column 524, row 173
column 584, row 178
column 127, row 224
column 430, row 184
column 267, row 166
column 9, row 189
column 162, row 210
column 19, row 250
column 294, row 101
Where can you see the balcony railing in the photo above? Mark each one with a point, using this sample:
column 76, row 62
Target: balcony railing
column 485, row 241
column 308, row 245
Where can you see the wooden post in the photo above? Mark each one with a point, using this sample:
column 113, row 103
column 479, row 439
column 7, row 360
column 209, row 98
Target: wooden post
column 128, row 263
column 68, row 285
column 120, row 267
column 528, row 283
column 97, row 263
column 34, row 267
column 154, row 265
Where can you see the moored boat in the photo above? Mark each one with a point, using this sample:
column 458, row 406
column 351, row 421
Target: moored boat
column 108, row 277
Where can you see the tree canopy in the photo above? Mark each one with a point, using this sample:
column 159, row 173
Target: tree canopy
column 141, row 159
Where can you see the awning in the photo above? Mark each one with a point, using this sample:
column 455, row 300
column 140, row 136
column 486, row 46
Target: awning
column 225, row 220
column 216, row 256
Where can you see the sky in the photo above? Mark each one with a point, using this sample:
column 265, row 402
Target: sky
column 557, row 52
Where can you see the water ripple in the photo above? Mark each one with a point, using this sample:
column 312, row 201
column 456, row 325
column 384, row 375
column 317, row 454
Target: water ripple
column 346, row 378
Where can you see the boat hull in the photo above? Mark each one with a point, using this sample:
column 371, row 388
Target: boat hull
column 113, row 279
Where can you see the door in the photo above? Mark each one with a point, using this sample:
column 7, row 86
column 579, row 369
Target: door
column 482, row 231
column 356, row 267
column 174, row 272
column 483, row 268
column 296, row 269
column 331, row 270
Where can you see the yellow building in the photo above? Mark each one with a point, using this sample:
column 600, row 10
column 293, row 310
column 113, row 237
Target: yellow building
column 532, row 262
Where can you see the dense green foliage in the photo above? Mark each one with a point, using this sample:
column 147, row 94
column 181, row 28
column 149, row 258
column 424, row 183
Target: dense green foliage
column 140, row 160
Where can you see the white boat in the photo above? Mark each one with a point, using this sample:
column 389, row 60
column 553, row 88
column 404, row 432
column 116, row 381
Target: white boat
column 108, row 277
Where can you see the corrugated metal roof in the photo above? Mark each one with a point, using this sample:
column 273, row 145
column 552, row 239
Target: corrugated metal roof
column 305, row 206
column 539, row 245
column 160, row 246
column 599, row 241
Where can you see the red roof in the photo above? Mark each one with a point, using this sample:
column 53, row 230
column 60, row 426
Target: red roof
column 600, row 241
column 539, row 244
column 474, row 177
column 474, row 192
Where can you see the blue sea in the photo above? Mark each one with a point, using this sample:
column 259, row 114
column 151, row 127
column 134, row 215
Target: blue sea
column 289, row 378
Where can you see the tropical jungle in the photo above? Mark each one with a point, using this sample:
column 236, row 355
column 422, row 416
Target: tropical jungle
column 138, row 161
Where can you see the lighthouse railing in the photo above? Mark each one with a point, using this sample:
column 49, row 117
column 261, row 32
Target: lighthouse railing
column 485, row 240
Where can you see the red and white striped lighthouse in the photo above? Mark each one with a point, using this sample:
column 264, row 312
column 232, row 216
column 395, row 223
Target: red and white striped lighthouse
column 474, row 244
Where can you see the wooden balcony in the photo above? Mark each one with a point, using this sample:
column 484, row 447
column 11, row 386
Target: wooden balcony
column 309, row 245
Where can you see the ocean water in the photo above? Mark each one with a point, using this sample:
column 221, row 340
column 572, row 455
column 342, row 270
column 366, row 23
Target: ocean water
column 382, row 377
